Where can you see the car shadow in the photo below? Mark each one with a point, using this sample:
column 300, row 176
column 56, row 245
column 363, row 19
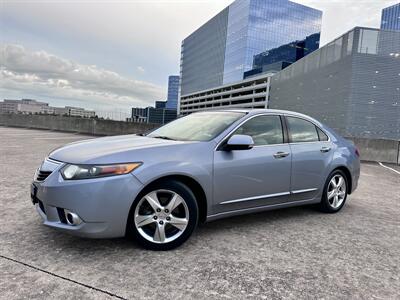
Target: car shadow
column 82, row 245
column 265, row 217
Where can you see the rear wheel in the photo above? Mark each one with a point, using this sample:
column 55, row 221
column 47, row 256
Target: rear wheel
column 335, row 192
column 163, row 216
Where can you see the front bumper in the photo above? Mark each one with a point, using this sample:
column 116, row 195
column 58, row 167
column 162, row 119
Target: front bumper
column 103, row 204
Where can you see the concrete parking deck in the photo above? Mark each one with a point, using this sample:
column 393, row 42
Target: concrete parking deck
column 290, row 253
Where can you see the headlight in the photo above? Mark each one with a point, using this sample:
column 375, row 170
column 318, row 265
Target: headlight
column 73, row 172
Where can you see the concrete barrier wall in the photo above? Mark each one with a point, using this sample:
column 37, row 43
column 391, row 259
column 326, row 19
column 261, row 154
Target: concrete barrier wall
column 387, row 151
column 73, row 124
column 371, row 149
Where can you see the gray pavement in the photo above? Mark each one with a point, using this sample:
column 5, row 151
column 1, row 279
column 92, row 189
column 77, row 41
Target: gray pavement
column 295, row 253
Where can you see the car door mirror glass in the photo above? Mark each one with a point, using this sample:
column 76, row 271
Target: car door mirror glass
column 239, row 142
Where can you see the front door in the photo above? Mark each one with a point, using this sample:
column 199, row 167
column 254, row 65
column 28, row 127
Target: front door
column 255, row 177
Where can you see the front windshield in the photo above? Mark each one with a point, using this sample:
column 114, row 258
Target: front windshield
column 202, row 126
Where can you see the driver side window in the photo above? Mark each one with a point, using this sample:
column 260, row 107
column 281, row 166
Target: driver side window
column 265, row 130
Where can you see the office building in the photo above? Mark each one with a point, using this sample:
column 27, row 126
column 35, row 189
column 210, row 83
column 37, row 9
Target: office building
column 173, row 92
column 391, row 18
column 30, row 106
column 160, row 104
column 352, row 84
column 275, row 60
column 249, row 93
column 24, row 106
column 153, row 115
column 78, row 112
column 222, row 50
column 164, row 111
column 160, row 116
column 139, row 115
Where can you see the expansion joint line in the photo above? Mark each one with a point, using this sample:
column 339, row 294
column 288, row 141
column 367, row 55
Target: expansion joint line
column 62, row 277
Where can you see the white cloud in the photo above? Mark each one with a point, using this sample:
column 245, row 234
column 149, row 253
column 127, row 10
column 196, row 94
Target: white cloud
column 125, row 36
column 140, row 69
column 339, row 16
column 41, row 73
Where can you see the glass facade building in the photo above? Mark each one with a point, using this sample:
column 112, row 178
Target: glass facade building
column 153, row 115
column 173, row 92
column 223, row 49
column 277, row 59
column 391, row 18
column 351, row 84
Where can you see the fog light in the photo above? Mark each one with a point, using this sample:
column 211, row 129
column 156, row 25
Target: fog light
column 72, row 218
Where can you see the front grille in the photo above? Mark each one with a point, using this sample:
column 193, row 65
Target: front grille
column 42, row 175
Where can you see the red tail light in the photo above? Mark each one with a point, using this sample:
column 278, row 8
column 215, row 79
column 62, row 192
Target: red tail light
column 357, row 152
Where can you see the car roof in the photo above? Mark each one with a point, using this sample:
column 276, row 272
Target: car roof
column 263, row 111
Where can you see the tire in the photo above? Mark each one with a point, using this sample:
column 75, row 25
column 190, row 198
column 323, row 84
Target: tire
column 163, row 216
column 334, row 198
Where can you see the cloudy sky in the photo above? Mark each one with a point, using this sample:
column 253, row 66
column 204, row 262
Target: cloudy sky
column 112, row 55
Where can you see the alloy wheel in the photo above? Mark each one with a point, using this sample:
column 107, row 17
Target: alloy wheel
column 161, row 216
column 336, row 192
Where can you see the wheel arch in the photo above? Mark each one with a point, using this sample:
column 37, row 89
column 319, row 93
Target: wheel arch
column 193, row 185
column 347, row 173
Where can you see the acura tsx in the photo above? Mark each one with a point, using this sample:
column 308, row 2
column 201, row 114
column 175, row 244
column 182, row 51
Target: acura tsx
column 157, row 187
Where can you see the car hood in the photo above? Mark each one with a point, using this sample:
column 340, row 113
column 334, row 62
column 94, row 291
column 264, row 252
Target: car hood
column 114, row 149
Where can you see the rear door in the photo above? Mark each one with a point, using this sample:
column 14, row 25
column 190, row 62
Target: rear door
column 311, row 155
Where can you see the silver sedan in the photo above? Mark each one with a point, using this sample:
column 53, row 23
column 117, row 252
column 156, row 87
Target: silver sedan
column 208, row 165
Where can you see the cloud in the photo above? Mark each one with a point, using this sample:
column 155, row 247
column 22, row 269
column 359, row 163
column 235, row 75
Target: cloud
column 119, row 34
column 339, row 16
column 140, row 69
column 41, row 73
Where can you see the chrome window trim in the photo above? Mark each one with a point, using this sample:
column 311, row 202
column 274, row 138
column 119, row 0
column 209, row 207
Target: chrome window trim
column 288, row 131
column 248, row 119
column 304, row 119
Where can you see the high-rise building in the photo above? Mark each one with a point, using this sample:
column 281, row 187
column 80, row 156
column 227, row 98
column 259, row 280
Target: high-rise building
column 173, row 92
column 352, row 84
column 220, row 51
column 391, row 18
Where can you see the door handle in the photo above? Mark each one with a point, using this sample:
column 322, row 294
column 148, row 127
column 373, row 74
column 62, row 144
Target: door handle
column 325, row 149
column 281, row 154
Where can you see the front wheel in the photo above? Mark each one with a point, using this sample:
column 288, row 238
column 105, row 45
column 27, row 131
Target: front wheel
column 163, row 216
column 335, row 192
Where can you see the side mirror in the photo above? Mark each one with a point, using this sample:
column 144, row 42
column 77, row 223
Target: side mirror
column 239, row 142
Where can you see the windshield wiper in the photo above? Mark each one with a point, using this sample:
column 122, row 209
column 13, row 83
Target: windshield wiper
column 163, row 137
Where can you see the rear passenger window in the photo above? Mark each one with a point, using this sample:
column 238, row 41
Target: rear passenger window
column 302, row 131
column 322, row 135
column 265, row 130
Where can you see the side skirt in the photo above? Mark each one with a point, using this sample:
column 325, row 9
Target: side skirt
column 260, row 209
